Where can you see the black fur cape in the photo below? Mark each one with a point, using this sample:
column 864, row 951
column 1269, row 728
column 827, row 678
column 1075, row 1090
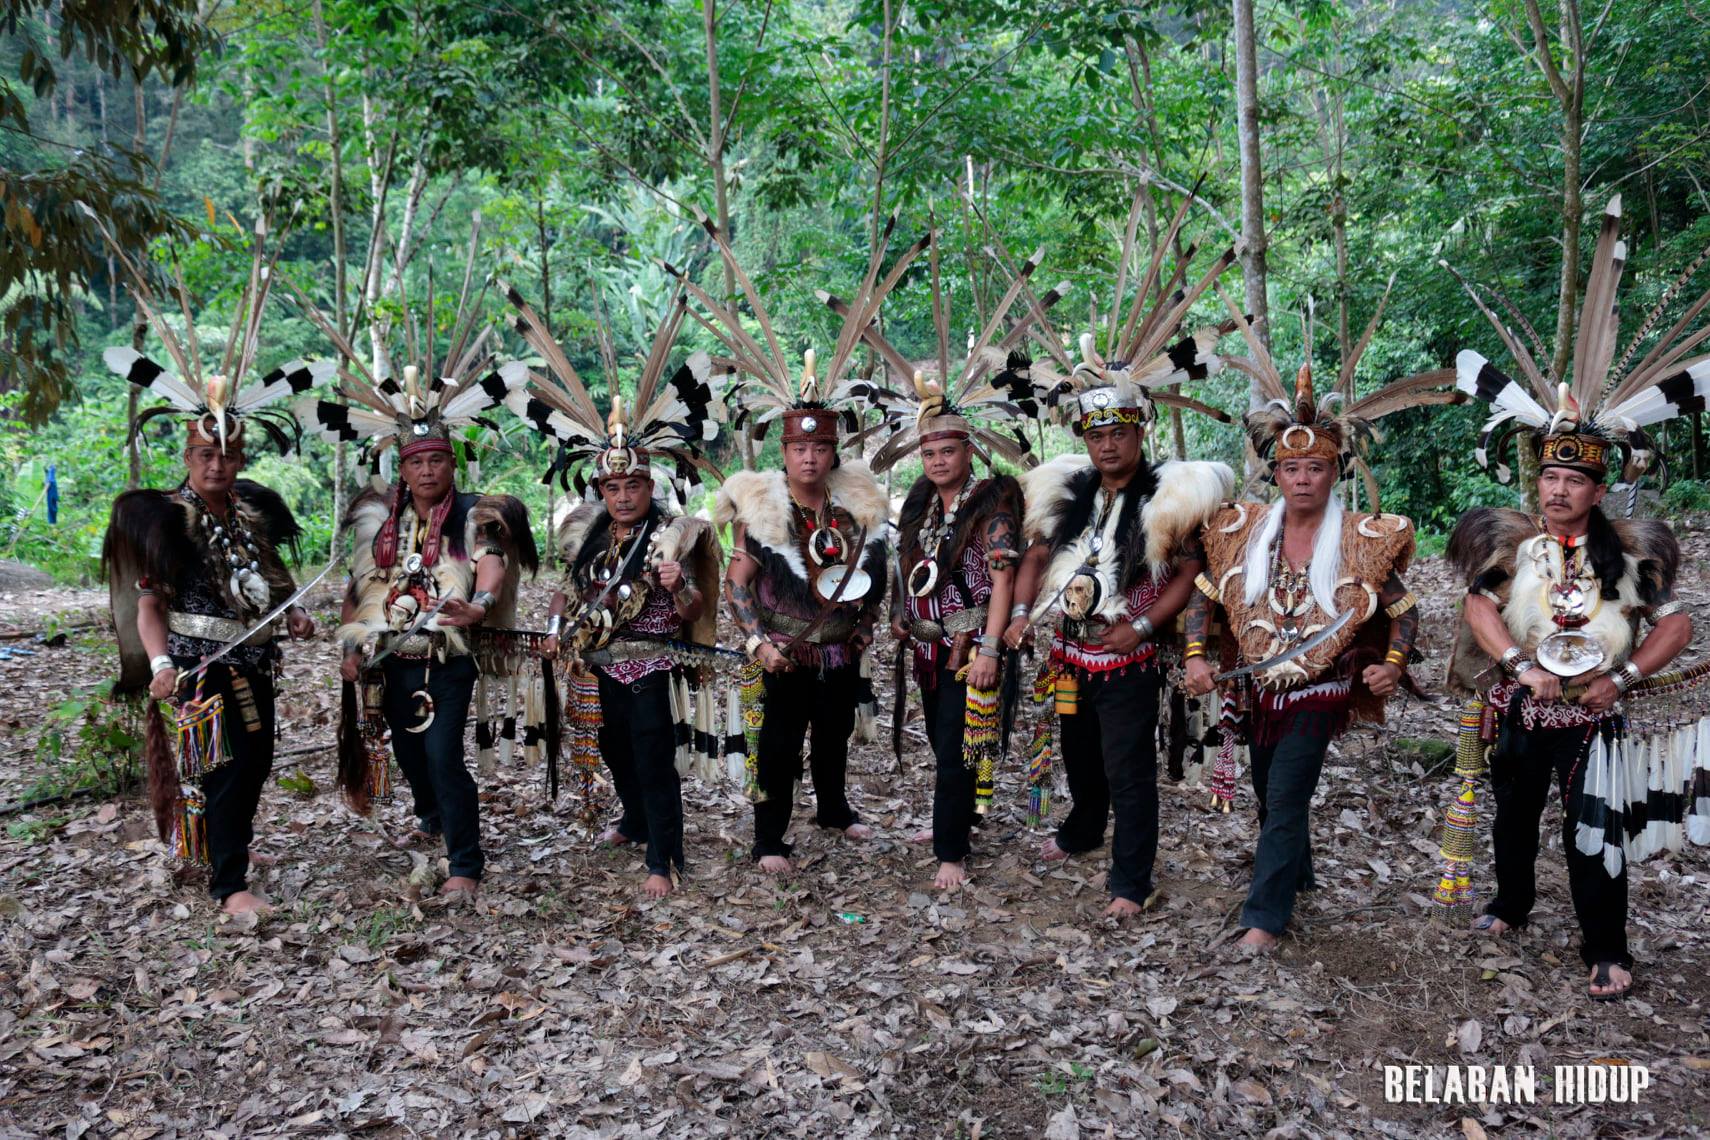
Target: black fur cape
column 1072, row 519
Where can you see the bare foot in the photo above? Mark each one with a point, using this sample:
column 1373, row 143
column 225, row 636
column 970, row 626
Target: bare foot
column 1257, row 941
column 924, row 835
column 1491, row 925
column 612, row 837
column 950, row 875
column 857, row 831
column 246, row 902
column 776, row 865
column 1121, row 908
column 258, row 859
column 656, row 886
column 410, row 839
column 1051, row 853
column 459, row 885
column 1609, row 980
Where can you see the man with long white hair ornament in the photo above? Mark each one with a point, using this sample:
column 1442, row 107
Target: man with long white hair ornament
column 1550, row 635
column 1319, row 623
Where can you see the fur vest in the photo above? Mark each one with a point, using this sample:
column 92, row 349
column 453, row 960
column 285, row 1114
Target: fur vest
column 1499, row 551
column 1149, row 527
column 760, row 502
column 496, row 523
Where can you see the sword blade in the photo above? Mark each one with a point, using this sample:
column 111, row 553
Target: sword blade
column 415, row 628
column 271, row 617
column 1292, row 651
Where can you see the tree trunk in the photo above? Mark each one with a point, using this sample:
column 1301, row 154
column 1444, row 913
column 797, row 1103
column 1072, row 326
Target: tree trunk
column 721, row 189
column 1253, row 269
column 341, row 282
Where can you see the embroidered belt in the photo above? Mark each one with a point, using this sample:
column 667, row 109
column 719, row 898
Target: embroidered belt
column 962, row 621
column 210, row 628
column 413, row 645
column 837, row 628
column 620, row 649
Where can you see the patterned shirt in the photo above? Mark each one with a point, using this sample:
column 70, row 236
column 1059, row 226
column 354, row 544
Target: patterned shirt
column 658, row 618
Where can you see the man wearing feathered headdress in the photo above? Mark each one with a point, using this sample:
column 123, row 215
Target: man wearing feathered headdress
column 430, row 565
column 194, row 571
column 642, row 581
column 807, row 567
column 957, row 548
column 1320, row 625
column 1550, row 631
column 1112, row 551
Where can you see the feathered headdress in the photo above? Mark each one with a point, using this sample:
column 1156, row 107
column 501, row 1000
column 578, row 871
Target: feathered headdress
column 991, row 386
column 1142, row 353
column 810, row 408
column 669, row 422
column 398, row 408
column 1577, row 424
column 1333, row 427
column 216, row 399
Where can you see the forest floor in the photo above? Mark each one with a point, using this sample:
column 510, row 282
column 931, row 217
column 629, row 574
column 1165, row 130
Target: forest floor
column 849, row 999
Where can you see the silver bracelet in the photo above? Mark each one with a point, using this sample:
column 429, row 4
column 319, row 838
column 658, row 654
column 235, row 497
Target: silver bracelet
column 1626, row 677
column 482, row 598
column 987, row 651
column 159, row 665
column 1144, row 627
column 1667, row 609
column 1510, row 657
column 554, row 624
column 1020, row 610
column 1524, row 666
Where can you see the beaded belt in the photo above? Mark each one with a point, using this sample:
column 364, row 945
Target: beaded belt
column 209, row 628
column 837, row 629
column 622, row 649
column 962, row 621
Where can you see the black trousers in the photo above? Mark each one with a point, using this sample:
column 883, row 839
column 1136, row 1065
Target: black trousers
column 1110, row 755
column 233, row 790
column 432, row 761
column 1285, row 776
column 953, row 788
column 638, row 743
column 796, row 701
column 1521, row 771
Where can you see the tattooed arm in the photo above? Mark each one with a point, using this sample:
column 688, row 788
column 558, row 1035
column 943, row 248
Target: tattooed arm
column 1196, row 621
column 1027, row 579
column 739, row 580
column 1000, row 543
column 1403, row 610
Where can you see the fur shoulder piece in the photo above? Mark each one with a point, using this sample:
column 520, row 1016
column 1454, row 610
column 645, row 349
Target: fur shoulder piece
column 576, row 519
column 1187, row 496
column 694, row 543
column 1487, row 538
column 1049, row 489
column 267, row 507
column 147, row 537
column 760, row 502
column 1652, row 544
column 1225, row 537
column 364, row 518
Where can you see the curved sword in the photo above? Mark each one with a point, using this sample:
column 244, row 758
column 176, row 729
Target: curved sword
column 1298, row 650
column 272, row 616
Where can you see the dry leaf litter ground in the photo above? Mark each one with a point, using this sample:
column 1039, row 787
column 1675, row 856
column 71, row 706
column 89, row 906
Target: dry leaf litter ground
column 851, row 999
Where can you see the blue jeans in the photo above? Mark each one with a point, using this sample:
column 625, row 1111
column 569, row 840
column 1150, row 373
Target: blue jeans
column 1284, row 777
column 432, row 761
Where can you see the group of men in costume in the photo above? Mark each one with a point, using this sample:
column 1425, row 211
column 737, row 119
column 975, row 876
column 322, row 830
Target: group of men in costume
column 1289, row 618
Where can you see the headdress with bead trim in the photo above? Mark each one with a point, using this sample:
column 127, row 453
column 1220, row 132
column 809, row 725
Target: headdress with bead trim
column 660, row 433
column 988, row 389
column 397, row 408
column 1144, row 351
column 217, row 398
column 1579, row 421
column 1335, row 427
column 811, row 409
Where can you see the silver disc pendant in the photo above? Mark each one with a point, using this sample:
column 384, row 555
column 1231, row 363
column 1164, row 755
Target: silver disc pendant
column 1570, row 652
column 859, row 583
column 923, row 579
